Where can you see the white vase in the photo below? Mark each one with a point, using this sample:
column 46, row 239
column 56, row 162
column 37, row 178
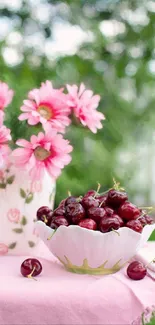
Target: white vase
column 20, row 198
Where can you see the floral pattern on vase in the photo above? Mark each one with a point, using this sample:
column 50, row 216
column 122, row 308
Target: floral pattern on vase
column 20, row 198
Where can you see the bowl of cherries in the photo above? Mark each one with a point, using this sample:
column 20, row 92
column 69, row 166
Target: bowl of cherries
column 97, row 233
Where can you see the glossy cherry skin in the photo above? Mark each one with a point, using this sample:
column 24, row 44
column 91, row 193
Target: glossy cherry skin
column 102, row 200
column 121, row 222
column 75, row 212
column 62, row 204
column 88, row 223
column 89, row 202
column 128, row 211
column 116, row 198
column 59, row 221
column 135, row 225
column 136, row 271
column 60, row 211
column 146, row 220
column 142, row 220
column 109, row 212
column 149, row 219
column 31, row 265
column 90, row 193
column 96, row 214
column 108, row 224
column 70, row 199
column 44, row 214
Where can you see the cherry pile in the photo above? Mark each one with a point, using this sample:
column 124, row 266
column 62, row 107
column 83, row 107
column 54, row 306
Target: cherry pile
column 104, row 212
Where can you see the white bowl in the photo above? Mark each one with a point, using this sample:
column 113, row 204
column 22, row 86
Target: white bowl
column 86, row 251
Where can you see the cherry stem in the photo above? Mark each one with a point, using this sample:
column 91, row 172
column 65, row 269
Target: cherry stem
column 115, row 231
column 30, row 275
column 69, row 193
column 79, row 198
column 147, row 208
column 45, row 219
column 101, row 203
column 152, row 261
column 117, row 186
column 49, row 238
column 98, row 188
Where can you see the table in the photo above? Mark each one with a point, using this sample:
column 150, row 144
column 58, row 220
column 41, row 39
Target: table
column 60, row 297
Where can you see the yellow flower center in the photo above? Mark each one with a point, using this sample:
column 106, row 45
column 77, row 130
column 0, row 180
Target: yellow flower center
column 45, row 112
column 41, row 153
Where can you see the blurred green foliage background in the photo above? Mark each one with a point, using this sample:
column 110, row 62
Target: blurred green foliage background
column 108, row 45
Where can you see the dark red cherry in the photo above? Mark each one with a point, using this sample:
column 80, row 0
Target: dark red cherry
column 108, row 224
column 75, row 212
column 149, row 219
column 135, row 225
column 44, row 214
column 60, row 211
column 71, row 199
column 62, row 204
column 136, row 271
column 102, row 200
column 30, row 267
column 90, row 193
column 119, row 219
column 109, row 212
column 59, row 221
column 128, row 211
column 88, row 223
column 146, row 220
column 89, row 202
column 96, row 214
column 116, row 198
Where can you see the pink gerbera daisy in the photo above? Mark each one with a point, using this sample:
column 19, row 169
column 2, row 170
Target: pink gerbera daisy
column 47, row 106
column 45, row 152
column 4, row 148
column 6, row 95
column 84, row 105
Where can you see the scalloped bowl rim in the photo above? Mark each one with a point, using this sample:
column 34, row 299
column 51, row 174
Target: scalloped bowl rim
column 97, row 232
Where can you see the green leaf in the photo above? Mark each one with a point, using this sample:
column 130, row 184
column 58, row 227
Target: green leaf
column 22, row 193
column 12, row 245
column 2, row 185
column 10, row 179
column 23, row 221
column 31, row 243
column 18, row 230
column 29, row 198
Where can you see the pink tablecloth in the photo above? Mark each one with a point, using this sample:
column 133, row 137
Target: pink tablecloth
column 60, row 297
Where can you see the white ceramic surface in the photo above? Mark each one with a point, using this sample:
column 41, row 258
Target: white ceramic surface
column 74, row 245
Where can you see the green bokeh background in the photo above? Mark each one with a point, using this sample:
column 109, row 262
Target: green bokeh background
column 116, row 59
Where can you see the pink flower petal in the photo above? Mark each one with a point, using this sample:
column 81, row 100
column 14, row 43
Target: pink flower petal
column 23, row 143
column 23, row 116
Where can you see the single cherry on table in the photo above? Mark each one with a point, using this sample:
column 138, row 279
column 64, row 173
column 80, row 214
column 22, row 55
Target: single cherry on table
column 30, row 268
column 136, row 270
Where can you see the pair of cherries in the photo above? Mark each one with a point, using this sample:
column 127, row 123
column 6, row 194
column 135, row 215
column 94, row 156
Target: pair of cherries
column 31, row 267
